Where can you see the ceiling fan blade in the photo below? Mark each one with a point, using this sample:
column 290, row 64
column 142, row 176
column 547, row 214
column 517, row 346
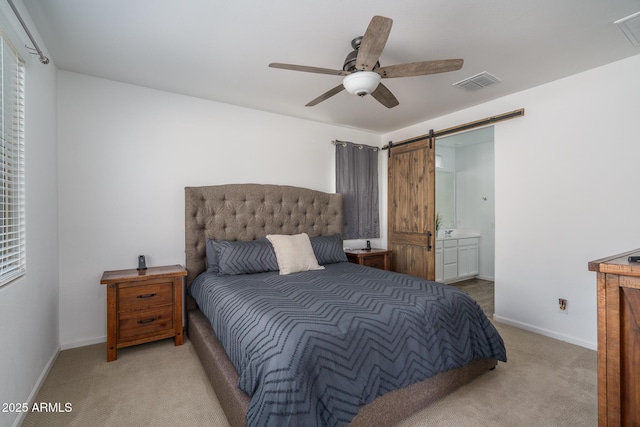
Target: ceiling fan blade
column 309, row 69
column 328, row 94
column 384, row 96
column 420, row 68
column 373, row 42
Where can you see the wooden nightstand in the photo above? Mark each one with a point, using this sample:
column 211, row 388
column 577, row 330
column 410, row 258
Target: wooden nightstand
column 143, row 306
column 378, row 258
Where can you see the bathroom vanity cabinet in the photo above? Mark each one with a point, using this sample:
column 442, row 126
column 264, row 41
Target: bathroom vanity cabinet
column 457, row 258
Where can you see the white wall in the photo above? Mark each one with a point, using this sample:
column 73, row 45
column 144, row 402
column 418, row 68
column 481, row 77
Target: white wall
column 29, row 305
column 564, row 193
column 125, row 155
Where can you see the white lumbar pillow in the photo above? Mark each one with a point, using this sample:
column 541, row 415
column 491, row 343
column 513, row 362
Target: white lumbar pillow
column 294, row 253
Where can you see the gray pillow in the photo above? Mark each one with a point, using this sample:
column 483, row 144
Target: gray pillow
column 212, row 256
column 231, row 258
column 328, row 249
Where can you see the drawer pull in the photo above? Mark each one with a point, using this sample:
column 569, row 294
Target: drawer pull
column 147, row 295
column 142, row 322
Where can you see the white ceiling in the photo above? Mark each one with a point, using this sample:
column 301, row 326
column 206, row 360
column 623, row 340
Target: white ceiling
column 220, row 50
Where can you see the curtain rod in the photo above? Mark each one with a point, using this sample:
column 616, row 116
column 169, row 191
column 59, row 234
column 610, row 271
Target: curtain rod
column 460, row 128
column 43, row 58
column 360, row 146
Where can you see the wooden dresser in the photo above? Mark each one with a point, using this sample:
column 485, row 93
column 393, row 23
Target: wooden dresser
column 378, row 258
column 618, row 340
column 143, row 306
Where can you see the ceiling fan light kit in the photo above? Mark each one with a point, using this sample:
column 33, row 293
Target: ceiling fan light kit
column 362, row 70
column 361, row 83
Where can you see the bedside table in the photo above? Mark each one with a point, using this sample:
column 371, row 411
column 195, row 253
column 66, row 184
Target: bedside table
column 378, row 258
column 143, row 306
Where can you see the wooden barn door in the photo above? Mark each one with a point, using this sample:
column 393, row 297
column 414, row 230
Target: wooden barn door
column 411, row 210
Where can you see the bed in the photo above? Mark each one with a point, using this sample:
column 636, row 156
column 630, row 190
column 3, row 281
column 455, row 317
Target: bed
column 238, row 218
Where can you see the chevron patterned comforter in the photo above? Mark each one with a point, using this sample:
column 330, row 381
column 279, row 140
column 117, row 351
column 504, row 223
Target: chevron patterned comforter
column 312, row 347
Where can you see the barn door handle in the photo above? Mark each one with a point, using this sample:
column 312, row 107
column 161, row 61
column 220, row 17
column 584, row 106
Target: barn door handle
column 429, row 235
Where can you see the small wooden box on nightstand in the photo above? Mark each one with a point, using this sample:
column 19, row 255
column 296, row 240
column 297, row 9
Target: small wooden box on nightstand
column 143, row 306
column 378, row 258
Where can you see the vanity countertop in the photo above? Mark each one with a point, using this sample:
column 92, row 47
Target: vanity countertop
column 455, row 235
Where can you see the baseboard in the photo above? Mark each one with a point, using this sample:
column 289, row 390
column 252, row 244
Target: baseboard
column 82, row 343
column 462, row 279
column 491, row 279
column 37, row 386
column 546, row 332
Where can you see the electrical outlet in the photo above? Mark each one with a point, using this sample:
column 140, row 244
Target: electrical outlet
column 562, row 306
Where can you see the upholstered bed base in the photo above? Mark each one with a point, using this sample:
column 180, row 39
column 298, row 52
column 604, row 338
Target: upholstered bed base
column 250, row 211
column 385, row 411
column 219, row 369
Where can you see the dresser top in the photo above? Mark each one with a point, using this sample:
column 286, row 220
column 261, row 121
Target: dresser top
column 617, row 264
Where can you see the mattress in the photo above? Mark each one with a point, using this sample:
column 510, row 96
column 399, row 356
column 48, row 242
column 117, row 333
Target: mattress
column 312, row 347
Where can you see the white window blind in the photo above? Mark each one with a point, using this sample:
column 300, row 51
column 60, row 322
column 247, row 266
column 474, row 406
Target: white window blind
column 12, row 201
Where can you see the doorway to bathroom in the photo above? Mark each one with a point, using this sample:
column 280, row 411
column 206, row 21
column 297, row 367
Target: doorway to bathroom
column 465, row 195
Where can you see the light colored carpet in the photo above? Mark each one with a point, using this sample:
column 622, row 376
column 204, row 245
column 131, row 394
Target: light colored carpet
column 545, row 383
column 155, row 384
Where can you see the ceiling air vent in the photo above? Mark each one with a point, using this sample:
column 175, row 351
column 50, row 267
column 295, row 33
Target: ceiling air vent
column 478, row 81
column 630, row 26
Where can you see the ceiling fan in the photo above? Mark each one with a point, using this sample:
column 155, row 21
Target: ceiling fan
column 362, row 71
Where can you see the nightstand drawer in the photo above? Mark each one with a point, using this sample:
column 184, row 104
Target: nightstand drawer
column 138, row 323
column 139, row 297
column 376, row 261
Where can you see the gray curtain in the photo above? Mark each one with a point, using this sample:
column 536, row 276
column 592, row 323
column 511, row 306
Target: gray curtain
column 357, row 181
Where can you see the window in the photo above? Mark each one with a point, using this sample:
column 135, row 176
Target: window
column 12, row 215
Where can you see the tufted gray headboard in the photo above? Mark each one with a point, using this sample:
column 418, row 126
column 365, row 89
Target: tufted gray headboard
column 249, row 211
